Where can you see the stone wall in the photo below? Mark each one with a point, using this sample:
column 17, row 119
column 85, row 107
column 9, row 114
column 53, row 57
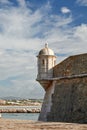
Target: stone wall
column 74, row 65
column 47, row 103
column 69, row 101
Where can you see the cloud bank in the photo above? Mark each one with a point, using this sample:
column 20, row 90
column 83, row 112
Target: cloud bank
column 23, row 32
column 82, row 2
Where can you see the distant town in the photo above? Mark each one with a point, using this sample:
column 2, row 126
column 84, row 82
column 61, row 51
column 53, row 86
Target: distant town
column 21, row 102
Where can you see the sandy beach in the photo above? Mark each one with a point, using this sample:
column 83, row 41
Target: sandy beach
column 10, row 124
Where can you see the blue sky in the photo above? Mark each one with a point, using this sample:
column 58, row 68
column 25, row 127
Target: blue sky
column 25, row 26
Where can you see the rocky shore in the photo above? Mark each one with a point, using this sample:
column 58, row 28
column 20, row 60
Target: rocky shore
column 21, row 110
column 7, row 124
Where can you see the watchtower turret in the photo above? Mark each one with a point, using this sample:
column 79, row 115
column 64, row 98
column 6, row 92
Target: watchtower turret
column 46, row 62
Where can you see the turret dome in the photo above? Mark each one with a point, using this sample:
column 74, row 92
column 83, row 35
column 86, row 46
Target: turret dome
column 46, row 51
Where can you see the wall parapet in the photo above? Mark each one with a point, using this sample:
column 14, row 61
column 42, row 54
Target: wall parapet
column 64, row 77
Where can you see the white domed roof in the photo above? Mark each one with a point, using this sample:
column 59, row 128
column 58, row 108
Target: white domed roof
column 46, row 51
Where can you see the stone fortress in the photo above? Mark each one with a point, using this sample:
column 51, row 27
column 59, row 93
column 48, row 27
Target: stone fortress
column 65, row 85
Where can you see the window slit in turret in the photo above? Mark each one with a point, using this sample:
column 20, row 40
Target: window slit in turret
column 43, row 62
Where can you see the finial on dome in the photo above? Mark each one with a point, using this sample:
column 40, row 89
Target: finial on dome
column 46, row 45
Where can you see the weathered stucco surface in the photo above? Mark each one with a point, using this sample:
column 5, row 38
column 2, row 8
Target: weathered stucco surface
column 69, row 101
column 47, row 103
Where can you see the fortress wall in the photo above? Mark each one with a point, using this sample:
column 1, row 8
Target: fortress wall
column 69, row 101
column 74, row 65
column 47, row 103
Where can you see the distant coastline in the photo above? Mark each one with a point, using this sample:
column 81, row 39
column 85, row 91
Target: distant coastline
column 21, row 102
column 20, row 106
column 20, row 110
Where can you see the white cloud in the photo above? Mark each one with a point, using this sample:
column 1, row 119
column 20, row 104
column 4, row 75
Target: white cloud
column 4, row 1
column 22, row 3
column 82, row 2
column 81, row 32
column 23, row 33
column 65, row 10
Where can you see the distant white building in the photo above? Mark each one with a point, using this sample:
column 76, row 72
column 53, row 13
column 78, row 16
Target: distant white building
column 2, row 102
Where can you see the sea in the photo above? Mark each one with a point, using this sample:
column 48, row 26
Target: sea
column 21, row 116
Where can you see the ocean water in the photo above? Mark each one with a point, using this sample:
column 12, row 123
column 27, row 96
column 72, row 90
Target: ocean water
column 21, row 116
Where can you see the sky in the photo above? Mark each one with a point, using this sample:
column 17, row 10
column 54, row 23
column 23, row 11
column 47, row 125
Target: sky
column 25, row 26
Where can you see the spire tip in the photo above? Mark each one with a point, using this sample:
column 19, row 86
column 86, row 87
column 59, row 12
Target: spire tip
column 46, row 45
